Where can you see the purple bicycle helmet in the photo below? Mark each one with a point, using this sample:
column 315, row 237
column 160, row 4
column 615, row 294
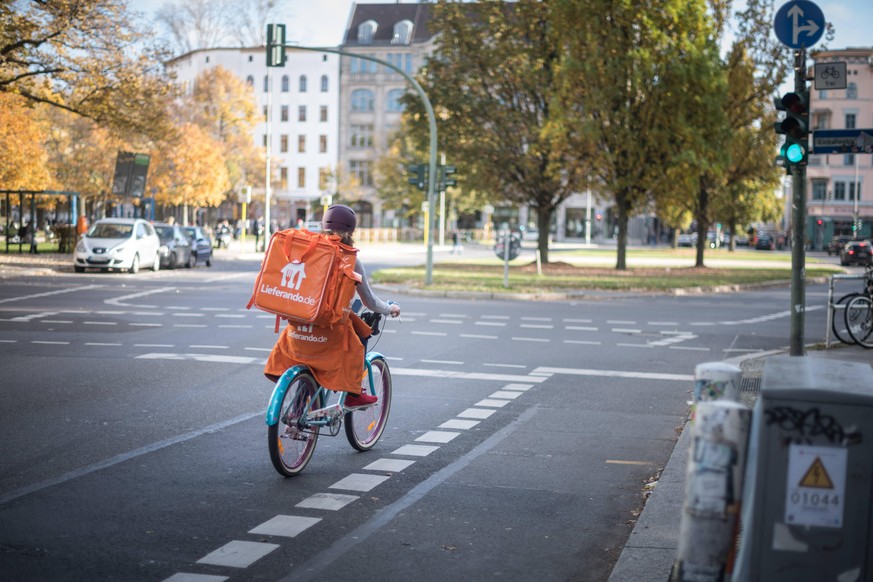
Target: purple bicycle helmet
column 339, row 218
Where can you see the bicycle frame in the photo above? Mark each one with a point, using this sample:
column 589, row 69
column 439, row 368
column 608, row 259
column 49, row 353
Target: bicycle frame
column 321, row 395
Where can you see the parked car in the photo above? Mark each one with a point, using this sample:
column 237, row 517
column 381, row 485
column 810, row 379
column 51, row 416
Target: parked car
column 201, row 245
column 118, row 243
column 856, row 252
column 685, row 240
column 766, row 242
column 175, row 246
column 836, row 244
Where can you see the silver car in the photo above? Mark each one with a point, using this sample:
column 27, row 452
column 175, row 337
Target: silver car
column 118, row 243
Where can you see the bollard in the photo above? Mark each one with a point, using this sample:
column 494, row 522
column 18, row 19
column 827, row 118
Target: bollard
column 717, row 381
column 713, row 490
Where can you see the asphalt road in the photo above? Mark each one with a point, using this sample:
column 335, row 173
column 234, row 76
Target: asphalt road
column 520, row 440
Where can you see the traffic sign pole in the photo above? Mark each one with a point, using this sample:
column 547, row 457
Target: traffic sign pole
column 798, row 232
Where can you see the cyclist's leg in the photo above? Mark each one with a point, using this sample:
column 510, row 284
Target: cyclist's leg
column 364, row 427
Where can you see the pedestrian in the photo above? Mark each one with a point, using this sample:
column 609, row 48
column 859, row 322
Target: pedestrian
column 336, row 363
column 456, row 242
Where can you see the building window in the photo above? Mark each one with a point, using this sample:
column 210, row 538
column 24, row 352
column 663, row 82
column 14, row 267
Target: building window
column 851, row 191
column 301, row 144
column 207, row 59
column 852, row 91
column 266, row 112
column 322, row 113
column 250, row 81
column 362, row 100
column 324, row 83
column 266, row 83
column 850, row 121
column 840, row 191
column 302, row 84
column 822, row 94
column 251, row 58
column 265, row 140
column 284, row 113
column 408, row 68
column 849, row 160
column 361, row 136
column 283, row 143
column 301, row 177
column 301, row 113
column 402, row 32
column 322, row 144
column 366, row 32
column 283, row 178
column 394, row 103
column 819, row 189
column 360, row 169
column 285, row 83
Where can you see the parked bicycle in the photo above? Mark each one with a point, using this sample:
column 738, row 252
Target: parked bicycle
column 851, row 325
column 300, row 409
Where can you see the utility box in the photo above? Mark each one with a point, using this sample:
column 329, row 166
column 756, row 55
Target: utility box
column 808, row 508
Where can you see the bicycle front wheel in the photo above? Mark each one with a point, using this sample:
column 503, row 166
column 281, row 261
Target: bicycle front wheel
column 364, row 427
column 838, row 319
column 291, row 441
column 859, row 320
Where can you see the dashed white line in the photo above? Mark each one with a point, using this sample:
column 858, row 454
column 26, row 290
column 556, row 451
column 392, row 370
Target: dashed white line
column 99, row 344
column 50, row 343
column 477, row 413
column 505, row 365
column 437, row 436
column 327, row 501
column 491, row 323
column 536, row 326
column 450, row 362
column 238, row 554
column 492, row 403
column 389, row 465
column 437, row 333
column 359, row 482
column 626, row 330
column 415, row 450
column 458, row 424
column 478, row 336
column 453, row 321
column 583, row 342
column 531, row 339
column 581, row 328
column 287, row 526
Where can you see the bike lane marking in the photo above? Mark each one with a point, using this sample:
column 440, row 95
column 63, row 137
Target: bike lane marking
column 49, row 293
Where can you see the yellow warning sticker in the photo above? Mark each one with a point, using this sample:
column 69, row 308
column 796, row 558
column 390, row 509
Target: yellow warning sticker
column 817, row 476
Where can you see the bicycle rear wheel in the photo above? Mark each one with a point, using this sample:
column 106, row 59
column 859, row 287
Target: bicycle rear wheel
column 290, row 441
column 364, row 427
column 859, row 320
column 838, row 319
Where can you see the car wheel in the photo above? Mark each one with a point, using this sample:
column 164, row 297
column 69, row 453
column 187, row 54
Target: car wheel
column 171, row 261
column 156, row 266
column 209, row 260
column 191, row 260
column 134, row 265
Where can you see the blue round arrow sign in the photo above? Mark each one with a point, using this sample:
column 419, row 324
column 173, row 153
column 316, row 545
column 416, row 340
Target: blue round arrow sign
column 799, row 23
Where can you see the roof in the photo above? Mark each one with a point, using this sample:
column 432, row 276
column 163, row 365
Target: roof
column 386, row 16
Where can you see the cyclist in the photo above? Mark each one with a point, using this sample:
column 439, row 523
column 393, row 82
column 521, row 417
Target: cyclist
column 334, row 355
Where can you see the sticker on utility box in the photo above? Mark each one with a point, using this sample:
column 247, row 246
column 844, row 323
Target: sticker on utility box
column 816, row 486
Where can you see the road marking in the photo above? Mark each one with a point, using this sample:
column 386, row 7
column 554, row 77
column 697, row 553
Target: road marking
column 288, row 526
column 178, row 308
column 491, row 323
column 536, row 319
column 461, row 315
column 238, row 554
column 207, row 347
column 50, row 343
column 452, row 362
column 536, row 326
column 505, row 394
column 189, row 325
column 147, row 325
column 458, row 424
column 154, row 345
column 455, row 321
column 33, row 316
column 215, row 308
column 491, row 403
column 620, row 322
column 587, row 343
column 235, row 327
column 187, row 314
column 99, row 323
column 626, row 330
column 477, row 413
column 5, row 341
column 214, row 358
column 616, row 374
column 188, row 577
column 119, row 301
column 689, row 348
column 581, row 328
column 476, row 336
column 359, row 482
column 390, row 465
column 634, row 345
column 102, row 344
column 231, row 315
column 414, row 450
column 576, row 320
column 437, row 436
column 49, row 293
column 494, row 316
column 614, row 462
column 439, row 333
column 663, row 323
column 519, row 387
column 530, row 339
column 55, row 321
column 505, row 365
column 462, row 375
column 327, row 501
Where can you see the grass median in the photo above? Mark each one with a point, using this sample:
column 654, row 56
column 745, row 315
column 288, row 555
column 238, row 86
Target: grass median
column 487, row 276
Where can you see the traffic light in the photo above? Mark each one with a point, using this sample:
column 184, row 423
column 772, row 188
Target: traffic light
column 417, row 175
column 445, row 180
column 275, row 45
column 795, row 128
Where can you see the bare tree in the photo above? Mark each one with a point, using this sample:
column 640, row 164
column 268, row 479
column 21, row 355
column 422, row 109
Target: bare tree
column 195, row 24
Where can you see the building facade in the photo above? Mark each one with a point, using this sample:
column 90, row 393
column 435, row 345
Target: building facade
column 300, row 124
column 840, row 186
column 369, row 99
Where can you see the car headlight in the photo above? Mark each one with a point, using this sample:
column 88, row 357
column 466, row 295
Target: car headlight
column 120, row 250
column 80, row 247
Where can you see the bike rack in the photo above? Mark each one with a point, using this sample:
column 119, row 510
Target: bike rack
column 831, row 307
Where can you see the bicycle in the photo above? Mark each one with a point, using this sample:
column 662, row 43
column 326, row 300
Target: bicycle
column 842, row 332
column 859, row 319
column 300, row 408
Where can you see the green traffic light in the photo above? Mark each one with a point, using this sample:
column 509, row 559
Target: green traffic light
column 794, row 153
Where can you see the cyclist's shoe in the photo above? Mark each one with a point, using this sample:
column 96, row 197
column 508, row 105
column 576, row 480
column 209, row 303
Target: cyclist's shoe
column 356, row 401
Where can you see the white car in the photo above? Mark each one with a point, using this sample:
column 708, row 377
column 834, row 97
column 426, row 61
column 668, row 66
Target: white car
column 118, row 243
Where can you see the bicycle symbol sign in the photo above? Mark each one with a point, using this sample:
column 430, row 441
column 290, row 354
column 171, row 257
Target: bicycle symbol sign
column 799, row 23
column 830, row 76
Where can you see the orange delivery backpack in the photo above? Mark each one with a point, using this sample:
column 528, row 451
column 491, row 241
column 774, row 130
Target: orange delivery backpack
column 306, row 277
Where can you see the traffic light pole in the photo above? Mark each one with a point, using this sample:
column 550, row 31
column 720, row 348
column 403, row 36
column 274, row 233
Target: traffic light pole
column 798, row 232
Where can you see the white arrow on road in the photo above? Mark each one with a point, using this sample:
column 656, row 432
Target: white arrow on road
column 795, row 13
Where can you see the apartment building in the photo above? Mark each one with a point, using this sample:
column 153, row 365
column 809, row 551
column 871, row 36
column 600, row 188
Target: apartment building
column 301, row 122
column 840, row 186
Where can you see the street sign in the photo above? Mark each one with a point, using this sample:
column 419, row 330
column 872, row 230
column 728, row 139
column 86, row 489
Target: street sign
column 842, row 141
column 799, row 24
column 830, row 76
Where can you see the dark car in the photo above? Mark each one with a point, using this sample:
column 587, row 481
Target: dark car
column 766, row 242
column 836, row 244
column 201, row 245
column 856, row 252
column 175, row 246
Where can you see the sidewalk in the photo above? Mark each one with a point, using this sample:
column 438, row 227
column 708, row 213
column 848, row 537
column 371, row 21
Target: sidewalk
column 653, row 544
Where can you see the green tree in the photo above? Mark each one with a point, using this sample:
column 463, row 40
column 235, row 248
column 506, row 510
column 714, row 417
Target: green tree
column 495, row 82
column 86, row 58
column 630, row 67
